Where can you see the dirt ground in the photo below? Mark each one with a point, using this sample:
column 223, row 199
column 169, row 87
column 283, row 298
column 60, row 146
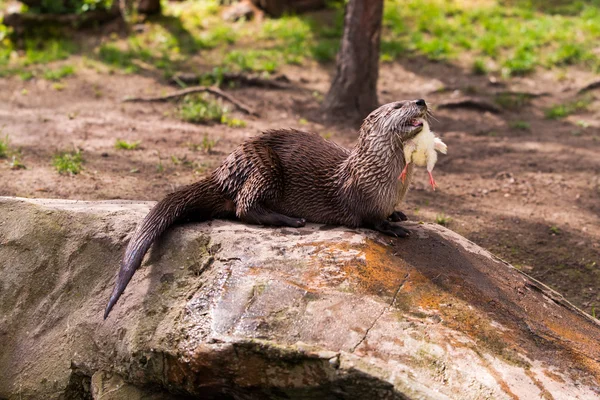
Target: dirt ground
column 530, row 195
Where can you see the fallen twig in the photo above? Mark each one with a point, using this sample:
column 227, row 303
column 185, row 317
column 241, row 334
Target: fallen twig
column 528, row 95
column 590, row 86
column 196, row 89
column 470, row 102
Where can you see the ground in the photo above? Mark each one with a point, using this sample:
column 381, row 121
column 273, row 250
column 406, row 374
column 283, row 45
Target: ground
column 520, row 182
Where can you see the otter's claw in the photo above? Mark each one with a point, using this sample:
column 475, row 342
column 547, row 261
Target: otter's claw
column 391, row 229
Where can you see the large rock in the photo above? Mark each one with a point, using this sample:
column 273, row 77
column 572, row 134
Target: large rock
column 226, row 310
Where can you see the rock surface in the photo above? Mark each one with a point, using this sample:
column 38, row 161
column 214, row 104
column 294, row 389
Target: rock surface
column 225, row 310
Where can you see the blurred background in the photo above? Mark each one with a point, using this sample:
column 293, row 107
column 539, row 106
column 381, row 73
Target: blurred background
column 513, row 85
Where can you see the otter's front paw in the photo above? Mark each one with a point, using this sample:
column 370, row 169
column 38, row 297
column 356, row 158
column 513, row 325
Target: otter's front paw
column 391, row 229
column 398, row 216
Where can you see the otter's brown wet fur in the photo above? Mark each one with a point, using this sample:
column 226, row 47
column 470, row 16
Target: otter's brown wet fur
column 288, row 177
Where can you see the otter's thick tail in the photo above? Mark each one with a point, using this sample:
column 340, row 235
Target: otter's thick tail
column 200, row 201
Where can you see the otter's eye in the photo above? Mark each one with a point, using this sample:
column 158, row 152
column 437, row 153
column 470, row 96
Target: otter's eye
column 398, row 106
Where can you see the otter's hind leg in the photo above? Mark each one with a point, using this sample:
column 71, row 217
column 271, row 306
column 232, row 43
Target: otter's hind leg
column 264, row 185
column 390, row 229
column 263, row 216
column 250, row 208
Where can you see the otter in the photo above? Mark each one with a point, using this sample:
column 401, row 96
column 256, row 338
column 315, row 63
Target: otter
column 290, row 177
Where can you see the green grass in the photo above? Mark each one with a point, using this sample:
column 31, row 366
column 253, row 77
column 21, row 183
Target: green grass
column 559, row 111
column 4, row 146
column 33, row 49
column 253, row 60
column 16, row 162
column 522, row 125
column 39, row 50
column 325, row 50
column 206, row 145
column 124, row 145
column 116, row 57
column 479, row 67
column 512, row 101
column 508, row 37
column 516, row 37
column 6, row 151
column 233, row 122
column 200, row 109
column 554, row 230
column 59, row 86
column 68, row 162
column 58, row 74
column 442, row 219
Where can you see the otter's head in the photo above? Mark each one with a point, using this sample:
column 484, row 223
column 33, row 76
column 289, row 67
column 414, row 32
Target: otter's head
column 394, row 122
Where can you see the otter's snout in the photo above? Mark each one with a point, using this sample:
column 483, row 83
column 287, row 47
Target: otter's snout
column 421, row 103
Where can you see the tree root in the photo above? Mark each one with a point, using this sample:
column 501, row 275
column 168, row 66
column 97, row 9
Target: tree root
column 196, row 89
column 472, row 103
column 590, row 86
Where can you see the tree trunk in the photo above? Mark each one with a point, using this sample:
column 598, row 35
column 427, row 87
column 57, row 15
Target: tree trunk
column 354, row 88
column 149, row 7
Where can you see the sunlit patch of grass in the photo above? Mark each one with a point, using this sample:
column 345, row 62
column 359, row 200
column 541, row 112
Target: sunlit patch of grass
column 16, row 163
column 512, row 101
column 4, row 144
column 200, row 109
column 41, row 50
column 33, row 49
column 233, row 122
column 58, row 74
column 68, row 162
column 516, row 35
column 391, row 49
column 219, row 35
column 569, row 54
column 6, row 151
column 479, row 67
column 59, row 87
column 563, row 110
column 325, row 50
column 522, row 125
column 207, row 145
column 252, row 60
column 112, row 55
column 136, row 52
column 25, row 74
column 125, row 145
column 521, row 62
column 443, row 219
